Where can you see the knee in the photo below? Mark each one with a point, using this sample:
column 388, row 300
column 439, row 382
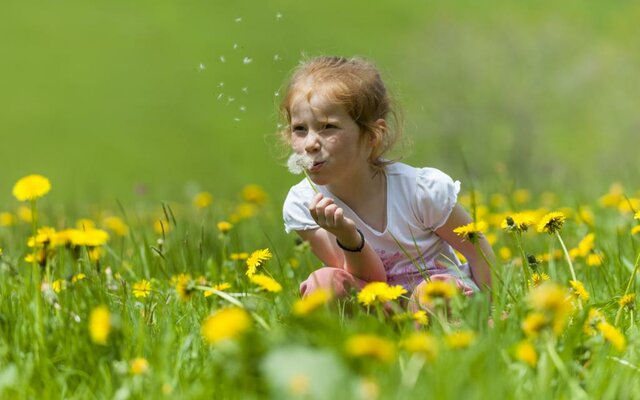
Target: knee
column 336, row 280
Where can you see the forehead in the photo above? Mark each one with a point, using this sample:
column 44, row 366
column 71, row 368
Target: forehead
column 316, row 104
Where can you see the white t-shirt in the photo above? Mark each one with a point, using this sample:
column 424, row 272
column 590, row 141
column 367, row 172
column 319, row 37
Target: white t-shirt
column 419, row 201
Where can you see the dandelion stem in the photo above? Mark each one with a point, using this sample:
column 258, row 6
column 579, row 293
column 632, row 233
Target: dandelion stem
column 557, row 361
column 525, row 263
column 306, row 174
column 494, row 272
column 566, row 255
column 626, row 291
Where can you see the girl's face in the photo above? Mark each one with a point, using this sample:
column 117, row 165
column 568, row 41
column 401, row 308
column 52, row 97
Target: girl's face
column 330, row 137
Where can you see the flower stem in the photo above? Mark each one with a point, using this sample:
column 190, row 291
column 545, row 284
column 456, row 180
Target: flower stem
column 626, row 291
column 525, row 262
column 566, row 255
column 315, row 189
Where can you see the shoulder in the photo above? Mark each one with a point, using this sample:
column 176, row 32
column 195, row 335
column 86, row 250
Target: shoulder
column 300, row 192
column 436, row 195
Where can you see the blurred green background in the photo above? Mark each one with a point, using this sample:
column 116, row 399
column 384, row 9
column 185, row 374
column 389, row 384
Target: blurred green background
column 110, row 99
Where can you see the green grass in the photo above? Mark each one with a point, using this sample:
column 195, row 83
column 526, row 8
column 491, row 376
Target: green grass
column 47, row 352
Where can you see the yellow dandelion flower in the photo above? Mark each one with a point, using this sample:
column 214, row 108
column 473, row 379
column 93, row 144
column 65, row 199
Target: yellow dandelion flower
column 518, row 222
column 586, row 245
column 551, row 223
column 629, row 205
column 7, row 219
column 78, row 277
column 586, row 215
column 254, row 194
column 185, row 286
column 521, row 196
column 635, row 230
column 437, row 290
column 31, row 187
column 311, row 302
column 85, row 224
column 579, row 291
column 24, row 214
column 95, row 254
column 224, row 227
column 243, row 211
column 614, row 197
column 225, row 324
column 595, row 259
column 534, row 323
column 554, row 301
column 161, row 227
column 636, row 215
column 460, row 256
column 100, row 324
column 492, row 238
column 266, row 282
column 505, row 253
column 460, row 339
column 139, row 366
column 367, row 345
column 526, row 353
column 294, row 263
column 141, row 288
column 203, row 200
column 594, row 318
column 39, row 257
column 627, row 300
column 116, row 225
column 612, row 335
column 59, row 285
column 420, row 317
column 219, row 287
column 238, row 256
column 44, row 236
column 472, row 231
column 422, row 343
column 256, row 259
column 538, row 278
column 380, row 292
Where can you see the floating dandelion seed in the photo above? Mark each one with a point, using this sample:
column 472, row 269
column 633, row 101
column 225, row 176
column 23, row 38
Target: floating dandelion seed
column 220, row 96
column 245, row 90
column 279, row 16
column 243, row 108
column 278, row 126
column 222, row 59
column 221, row 84
column 235, row 46
column 236, row 119
column 231, row 99
column 277, row 57
column 276, row 93
column 239, row 19
column 202, row 67
column 297, row 163
column 247, row 60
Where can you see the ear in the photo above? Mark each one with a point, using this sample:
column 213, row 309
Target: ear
column 377, row 133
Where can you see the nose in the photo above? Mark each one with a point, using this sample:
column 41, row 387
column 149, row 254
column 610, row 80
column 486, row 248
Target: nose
column 311, row 142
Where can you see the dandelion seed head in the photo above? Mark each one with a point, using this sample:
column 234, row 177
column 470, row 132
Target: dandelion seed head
column 297, row 163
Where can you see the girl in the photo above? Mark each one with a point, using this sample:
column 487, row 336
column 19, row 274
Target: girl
column 369, row 210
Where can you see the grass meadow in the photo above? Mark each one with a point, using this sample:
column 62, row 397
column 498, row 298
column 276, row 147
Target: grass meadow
column 152, row 261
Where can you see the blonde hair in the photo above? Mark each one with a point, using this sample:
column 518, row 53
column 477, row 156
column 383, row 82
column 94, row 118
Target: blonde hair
column 356, row 85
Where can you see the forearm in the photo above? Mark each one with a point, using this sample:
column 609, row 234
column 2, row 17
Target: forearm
column 364, row 264
column 480, row 267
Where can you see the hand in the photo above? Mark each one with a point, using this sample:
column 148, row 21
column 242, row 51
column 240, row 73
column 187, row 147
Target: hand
column 331, row 218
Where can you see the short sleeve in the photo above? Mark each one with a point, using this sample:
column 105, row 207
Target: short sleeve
column 436, row 194
column 295, row 211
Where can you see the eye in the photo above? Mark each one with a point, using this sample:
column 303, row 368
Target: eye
column 329, row 126
column 298, row 129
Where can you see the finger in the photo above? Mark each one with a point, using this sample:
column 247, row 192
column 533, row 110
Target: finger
column 329, row 214
column 338, row 217
column 315, row 200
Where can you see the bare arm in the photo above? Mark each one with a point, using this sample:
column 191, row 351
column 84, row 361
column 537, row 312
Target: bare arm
column 480, row 270
column 365, row 265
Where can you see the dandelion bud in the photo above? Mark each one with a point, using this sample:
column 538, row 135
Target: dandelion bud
column 533, row 261
column 510, row 222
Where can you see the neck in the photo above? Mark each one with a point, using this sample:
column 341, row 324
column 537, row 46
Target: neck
column 359, row 187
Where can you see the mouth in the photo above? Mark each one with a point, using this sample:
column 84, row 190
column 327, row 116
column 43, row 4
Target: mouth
column 316, row 166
